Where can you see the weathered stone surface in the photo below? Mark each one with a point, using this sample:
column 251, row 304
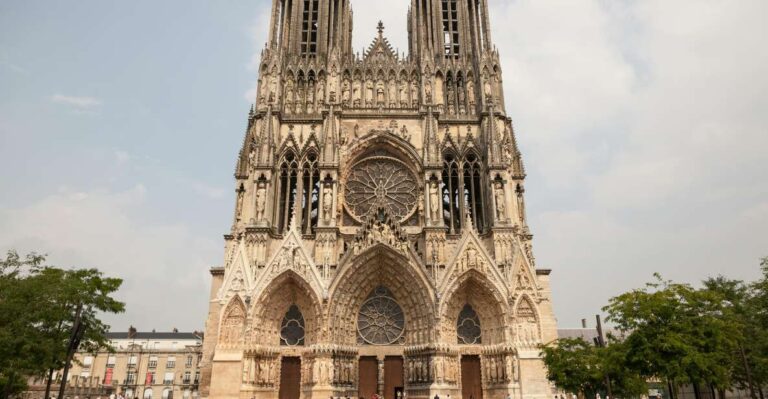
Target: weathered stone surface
column 381, row 195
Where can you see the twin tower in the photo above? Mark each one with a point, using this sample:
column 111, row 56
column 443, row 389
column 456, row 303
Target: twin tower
column 379, row 243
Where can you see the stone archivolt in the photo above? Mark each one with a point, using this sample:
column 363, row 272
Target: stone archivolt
column 377, row 196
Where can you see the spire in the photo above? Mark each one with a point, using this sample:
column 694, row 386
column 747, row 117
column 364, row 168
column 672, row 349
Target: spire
column 380, row 28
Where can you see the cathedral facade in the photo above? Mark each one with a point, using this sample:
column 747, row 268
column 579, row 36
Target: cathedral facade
column 379, row 242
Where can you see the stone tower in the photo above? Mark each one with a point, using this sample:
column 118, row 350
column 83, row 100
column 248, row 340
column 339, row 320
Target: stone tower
column 379, row 242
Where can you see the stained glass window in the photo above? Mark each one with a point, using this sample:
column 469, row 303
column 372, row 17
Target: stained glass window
column 292, row 328
column 468, row 326
column 381, row 320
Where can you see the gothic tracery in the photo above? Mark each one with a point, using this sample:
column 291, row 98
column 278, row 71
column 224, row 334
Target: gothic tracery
column 379, row 214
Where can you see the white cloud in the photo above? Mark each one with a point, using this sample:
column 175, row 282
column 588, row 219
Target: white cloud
column 122, row 157
column 81, row 103
column 643, row 129
column 163, row 265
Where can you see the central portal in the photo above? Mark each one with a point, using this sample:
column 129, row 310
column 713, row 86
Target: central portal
column 393, row 377
column 471, row 387
column 369, row 377
column 290, row 378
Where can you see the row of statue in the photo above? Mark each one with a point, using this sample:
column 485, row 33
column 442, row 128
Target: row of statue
column 323, row 371
column 527, row 332
column 427, row 369
column 306, row 95
column 259, row 371
column 379, row 233
column 498, row 369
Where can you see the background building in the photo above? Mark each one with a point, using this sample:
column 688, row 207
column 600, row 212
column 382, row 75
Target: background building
column 379, row 241
column 148, row 365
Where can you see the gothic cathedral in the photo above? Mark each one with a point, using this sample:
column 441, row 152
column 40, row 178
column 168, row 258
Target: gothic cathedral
column 379, row 242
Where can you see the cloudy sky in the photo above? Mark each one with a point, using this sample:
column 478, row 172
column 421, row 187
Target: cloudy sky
column 644, row 127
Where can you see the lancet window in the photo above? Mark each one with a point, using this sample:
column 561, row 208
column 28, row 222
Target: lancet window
column 468, row 327
column 309, row 27
column 311, row 193
column 300, row 188
column 451, row 28
column 452, row 198
column 473, row 190
column 292, row 329
column 462, row 191
column 287, row 190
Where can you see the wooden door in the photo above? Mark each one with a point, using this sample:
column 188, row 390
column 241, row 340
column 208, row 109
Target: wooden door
column 471, row 384
column 290, row 378
column 393, row 376
column 369, row 377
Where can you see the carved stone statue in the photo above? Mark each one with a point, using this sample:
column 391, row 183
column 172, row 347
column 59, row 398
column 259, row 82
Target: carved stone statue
column 327, row 203
column 321, row 92
column 252, row 159
column 434, row 201
column 240, row 194
column 380, row 93
column 345, row 92
column 498, row 195
column 471, row 93
column 368, row 93
column 392, row 93
column 261, row 201
column 488, row 91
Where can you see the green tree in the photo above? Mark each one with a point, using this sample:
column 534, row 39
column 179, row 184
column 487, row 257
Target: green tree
column 676, row 333
column 573, row 365
column 39, row 307
column 739, row 308
column 577, row 366
column 757, row 309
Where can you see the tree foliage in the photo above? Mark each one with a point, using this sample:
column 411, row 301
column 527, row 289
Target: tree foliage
column 676, row 333
column 37, row 311
column 716, row 336
column 574, row 365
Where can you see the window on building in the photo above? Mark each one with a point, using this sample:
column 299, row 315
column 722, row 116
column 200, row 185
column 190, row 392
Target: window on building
column 187, row 377
column 292, row 327
column 309, row 27
column 129, row 393
column 451, row 194
column 111, row 361
column 187, row 393
column 197, row 377
column 288, row 181
column 148, row 394
column 171, row 363
column 87, row 362
column 189, row 361
column 150, row 379
column 132, row 361
column 152, row 362
column 311, row 195
column 167, row 393
column 451, row 28
column 85, row 374
column 473, row 190
column 168, row 379
column 468, row 326
column 130, row 378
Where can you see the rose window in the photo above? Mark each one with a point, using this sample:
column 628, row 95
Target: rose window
column 381, row 182
column 381, row 320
